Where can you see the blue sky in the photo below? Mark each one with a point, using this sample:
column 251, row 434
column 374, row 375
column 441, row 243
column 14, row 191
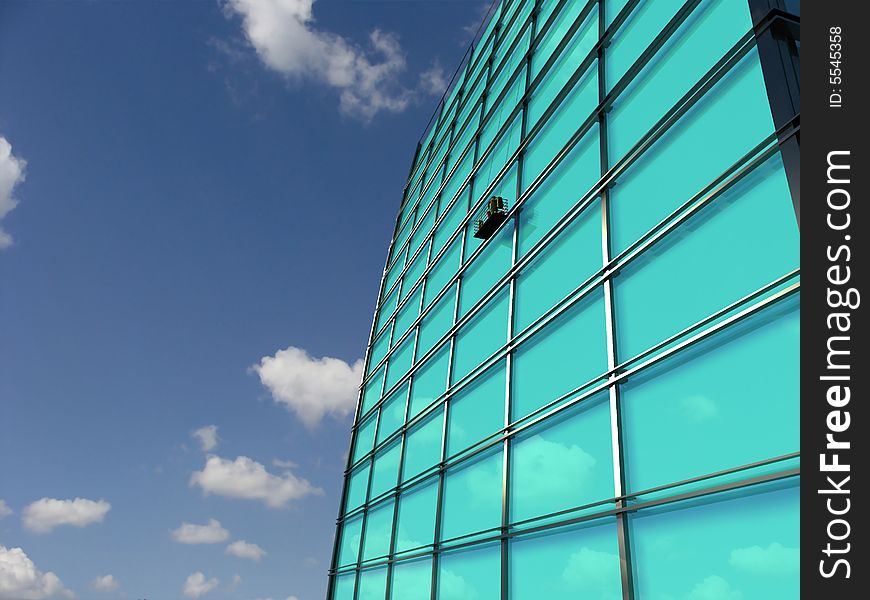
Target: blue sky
column 196, row 200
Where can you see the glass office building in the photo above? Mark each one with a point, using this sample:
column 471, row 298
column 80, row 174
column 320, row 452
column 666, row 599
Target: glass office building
column 582, row 378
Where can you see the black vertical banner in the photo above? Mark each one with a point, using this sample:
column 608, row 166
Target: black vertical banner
column 835, row 365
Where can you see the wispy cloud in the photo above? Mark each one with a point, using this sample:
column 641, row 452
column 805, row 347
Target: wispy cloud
column 11, row 174
column 21, row 580
column 45, row 514
column 210, row 533
column 207, row 437
column 367, row 78
column 5, row 511
column 105, row 583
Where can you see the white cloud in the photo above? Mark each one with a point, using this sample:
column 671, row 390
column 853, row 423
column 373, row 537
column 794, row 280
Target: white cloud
column 5, row 511
column 11, row 174
column 196, row 585
column 21, row 580
column 310, row 387
column 105, row 583
column 248, row 479
column 207, row 437
column 47, row 513
column 367, row 79
column 243, row 549
column 212, row 533
column 776, row 559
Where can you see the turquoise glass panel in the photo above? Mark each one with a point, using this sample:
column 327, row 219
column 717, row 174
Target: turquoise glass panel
column 473, row 574
column 684, row 161
column 482, row 335
column 379, row 529
column 566, row 262
column 365, row 438
column 471, row 103
column 417, row 509
column 487, row 268
column 379, row 348
column 424, row 228
column 451, row 221
column 437, row 322
column 569, row 351
column 512, row 96
column 613, row 8
column 358, row 486
column 714, row 419
column 423, row 445
column 386, row 469
column 400, row 361
column 415, row 271
column 372, row 584
column 442, row 272
column 408, row 313
column 387, row 308
column 565, row 462
column 691, row 273
column 399, row 248
column 491, row 166
column 429, row 381
column 344, row 586
column 472, row 496
column 456, row 180
column 412, row 580
column 373, row 391
column 636, row 33
column 567, row 564
column 709, row 33
column 755, row 554
column 393, row 412
column 477, row 410
column 563, row 188
column 394, row 271
column 351, row 535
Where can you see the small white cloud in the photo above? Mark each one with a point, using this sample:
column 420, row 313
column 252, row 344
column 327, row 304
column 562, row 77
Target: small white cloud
column 47, row 513
column 197, row 585
column 21, row 580
column 105, row 583
column 292, row 598
column 283, row 464
column 368, row 80
column 776, row 559
column 211, row 533
column 243, row 549
column 5, row 511
column 11, row 174
column 246, row 478
column 699, row 409
column 310, row 387
column 207, row 437
column 714, row 588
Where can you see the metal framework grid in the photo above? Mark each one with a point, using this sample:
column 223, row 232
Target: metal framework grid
column 428, row 179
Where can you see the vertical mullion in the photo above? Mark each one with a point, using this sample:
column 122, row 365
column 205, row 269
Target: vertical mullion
column 610, row 326
column 365, row 516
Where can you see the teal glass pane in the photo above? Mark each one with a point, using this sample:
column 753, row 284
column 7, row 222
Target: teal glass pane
column 344, row 586
column 692, row 273
column 470, row 107
column 393, row 412
column 491, row 166
column 442, row 272
column 423, row 445
column 399, row 248
column 373, row 584
column 415, row 271
column 473, row 574
column 451, row 221
column 506, row 105
column 715, row 403
column 754, row 554
column 482, row 335
column 412, row 580
column 351, row 535
column 684, row 161
column 562, row 188
column 373, row 391
column 569, row 351
column 518, row 27
column 566, row 262
column 379, row 348
column 636, row 34
column 577, row 563
column 707, row 35
column 463, row 140
column 487, row 268
column 429, row 382
column 379, row 529
column 386, row 469
column 477, row 410
column 416, row 525
column 565, row 462
column 358, row 486
column 472, row 496
column 407, row 314
column 567, row 119
column 613, row 8
column 437, row 322
column 569, row 60
column 400, row 360
column 423, row 230
column 365, row 438
column 387, row 308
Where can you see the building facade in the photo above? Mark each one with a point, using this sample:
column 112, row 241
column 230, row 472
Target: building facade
column 582, row 379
